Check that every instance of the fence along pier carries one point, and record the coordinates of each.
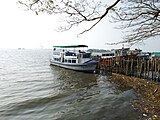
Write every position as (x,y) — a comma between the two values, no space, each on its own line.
(131,66)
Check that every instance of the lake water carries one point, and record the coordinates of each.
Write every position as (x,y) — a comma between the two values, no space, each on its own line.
(31,89)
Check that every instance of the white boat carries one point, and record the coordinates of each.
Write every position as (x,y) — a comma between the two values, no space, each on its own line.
(73,59)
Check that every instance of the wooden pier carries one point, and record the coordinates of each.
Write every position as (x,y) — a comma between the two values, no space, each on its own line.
(131,66)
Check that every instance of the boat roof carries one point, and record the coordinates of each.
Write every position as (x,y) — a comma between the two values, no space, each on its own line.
(70,46)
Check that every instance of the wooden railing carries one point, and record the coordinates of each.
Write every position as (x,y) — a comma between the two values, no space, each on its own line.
(136,67)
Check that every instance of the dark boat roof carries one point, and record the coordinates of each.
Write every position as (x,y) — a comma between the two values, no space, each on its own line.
(70,46)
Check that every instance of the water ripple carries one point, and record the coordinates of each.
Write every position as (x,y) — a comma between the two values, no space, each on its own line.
(32,89)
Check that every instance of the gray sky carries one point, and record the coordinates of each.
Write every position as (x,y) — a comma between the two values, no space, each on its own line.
(20,28)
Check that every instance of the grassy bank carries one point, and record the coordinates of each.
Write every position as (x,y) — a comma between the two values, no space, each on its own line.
(149,103)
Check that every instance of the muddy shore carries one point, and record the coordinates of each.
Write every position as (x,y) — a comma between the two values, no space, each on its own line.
(148,104)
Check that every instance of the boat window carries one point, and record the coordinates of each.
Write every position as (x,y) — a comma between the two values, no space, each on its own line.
(56,53)
(70,54)
(111,54)
(69,61)
(65,60)
(73,61)
(87,55)
(81,51)
(56,59)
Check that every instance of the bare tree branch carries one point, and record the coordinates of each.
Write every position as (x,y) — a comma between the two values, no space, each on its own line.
(140,19)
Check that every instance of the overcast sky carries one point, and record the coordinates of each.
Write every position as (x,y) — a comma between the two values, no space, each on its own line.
(25,29)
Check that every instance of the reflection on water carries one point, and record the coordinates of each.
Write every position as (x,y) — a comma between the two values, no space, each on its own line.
(32,89)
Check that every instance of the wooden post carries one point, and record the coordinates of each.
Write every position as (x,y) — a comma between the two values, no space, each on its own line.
(152,67)
(116,64)
(131,70)
(134,67)
(145,65)
(119,67)
(155,69)
(113,65)
(119,63)
(127,63)
(148,68)
(137,69)
(140,71)
(124,66)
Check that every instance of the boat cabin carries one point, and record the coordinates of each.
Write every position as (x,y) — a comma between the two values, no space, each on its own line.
(70,56)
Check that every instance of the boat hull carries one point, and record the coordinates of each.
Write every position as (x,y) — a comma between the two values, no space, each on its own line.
(83,67)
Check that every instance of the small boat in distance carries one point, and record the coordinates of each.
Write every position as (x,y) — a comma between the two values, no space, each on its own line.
(74,59)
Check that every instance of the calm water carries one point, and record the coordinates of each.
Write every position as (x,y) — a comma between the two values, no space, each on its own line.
(31,89)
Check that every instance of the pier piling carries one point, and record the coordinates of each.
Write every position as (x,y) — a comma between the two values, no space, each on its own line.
(135,67)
